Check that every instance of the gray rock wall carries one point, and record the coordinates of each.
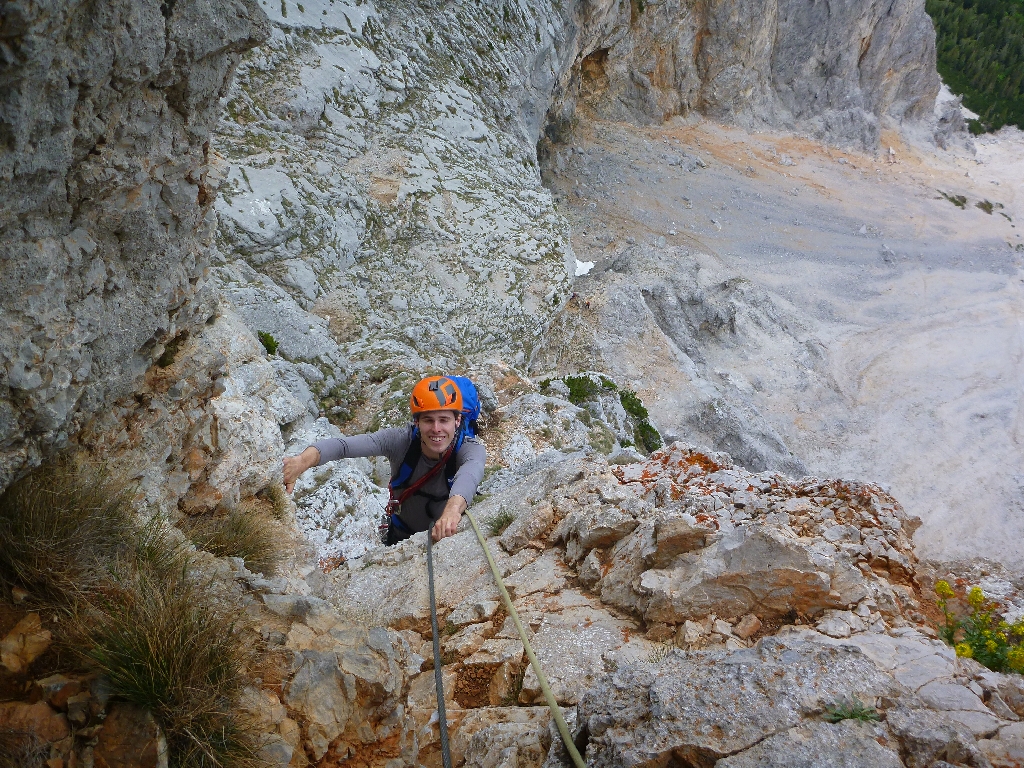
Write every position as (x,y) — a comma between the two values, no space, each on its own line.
(838,71)
(105,114)
(383,168)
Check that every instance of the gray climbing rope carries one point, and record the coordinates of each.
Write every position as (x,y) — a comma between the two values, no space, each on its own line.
(442,718)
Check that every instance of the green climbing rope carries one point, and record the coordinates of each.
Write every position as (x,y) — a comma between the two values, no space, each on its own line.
(556,712)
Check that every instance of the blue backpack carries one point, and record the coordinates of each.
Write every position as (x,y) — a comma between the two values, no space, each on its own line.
(470,407)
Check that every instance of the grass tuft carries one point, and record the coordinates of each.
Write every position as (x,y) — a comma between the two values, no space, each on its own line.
(164,645)
(243,532)
(278,499)
(19,749)
(958,200)
(499,522)
(850,710)
(69,535)
(658,654)
(60,529)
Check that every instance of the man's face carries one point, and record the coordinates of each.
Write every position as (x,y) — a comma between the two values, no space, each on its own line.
(437,430)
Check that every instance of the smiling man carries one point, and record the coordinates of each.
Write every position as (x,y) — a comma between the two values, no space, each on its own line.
(436,435)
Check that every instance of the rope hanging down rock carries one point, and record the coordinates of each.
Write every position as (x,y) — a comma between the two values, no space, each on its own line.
(442,718)
(549,697)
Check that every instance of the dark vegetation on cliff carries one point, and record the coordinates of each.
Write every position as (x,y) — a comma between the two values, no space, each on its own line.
(980,47)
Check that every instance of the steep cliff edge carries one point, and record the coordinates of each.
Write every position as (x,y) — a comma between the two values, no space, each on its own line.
(383,172)
(105,118)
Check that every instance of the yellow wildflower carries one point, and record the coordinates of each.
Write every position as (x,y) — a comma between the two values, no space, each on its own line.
(963,649)
(991,646)
(1015,659)
(942,589)
(976,598)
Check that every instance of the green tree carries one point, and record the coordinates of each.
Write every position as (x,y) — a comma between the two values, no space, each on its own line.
(980,48)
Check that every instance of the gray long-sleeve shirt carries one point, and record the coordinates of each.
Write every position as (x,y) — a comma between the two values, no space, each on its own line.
(417,511)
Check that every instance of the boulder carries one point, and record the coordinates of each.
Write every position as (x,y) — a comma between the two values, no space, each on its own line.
(847,744)
(529,524)
(571,647)
(755,569)
(130,738)
(1003,752)
(677,535)
(926,737)
(35,719)
(350,691)
(26,642)
(686,705)
(514,737)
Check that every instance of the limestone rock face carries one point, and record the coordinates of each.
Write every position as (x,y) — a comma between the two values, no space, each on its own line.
(847,744)
(104,227)
(204,429)
(836,74)
(687,706)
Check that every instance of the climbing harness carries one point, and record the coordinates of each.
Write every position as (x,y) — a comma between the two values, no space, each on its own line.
(549,697)
(391,517)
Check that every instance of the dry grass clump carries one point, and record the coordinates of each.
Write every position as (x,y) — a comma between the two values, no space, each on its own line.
(140,616)
(278,498)
(166,643)
(61,527)
(243,532)
(20,750)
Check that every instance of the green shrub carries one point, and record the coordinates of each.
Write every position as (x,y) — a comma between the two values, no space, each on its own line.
(499,522)
(852,710)
(647,436)
(632,404)
(244,532)
(269,342)
(982,636)
(608,384)
(985,205)
(581,389)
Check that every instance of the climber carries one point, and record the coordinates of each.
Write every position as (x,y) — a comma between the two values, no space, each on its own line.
(442,430)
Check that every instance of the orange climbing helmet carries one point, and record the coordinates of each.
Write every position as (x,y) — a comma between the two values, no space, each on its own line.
(435,393)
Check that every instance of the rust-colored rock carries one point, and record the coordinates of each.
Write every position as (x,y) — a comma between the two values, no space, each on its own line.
(24,644)
(130,738)
(747,627)
(37,719)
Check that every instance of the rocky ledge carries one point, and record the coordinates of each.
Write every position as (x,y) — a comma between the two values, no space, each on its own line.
(686,612)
